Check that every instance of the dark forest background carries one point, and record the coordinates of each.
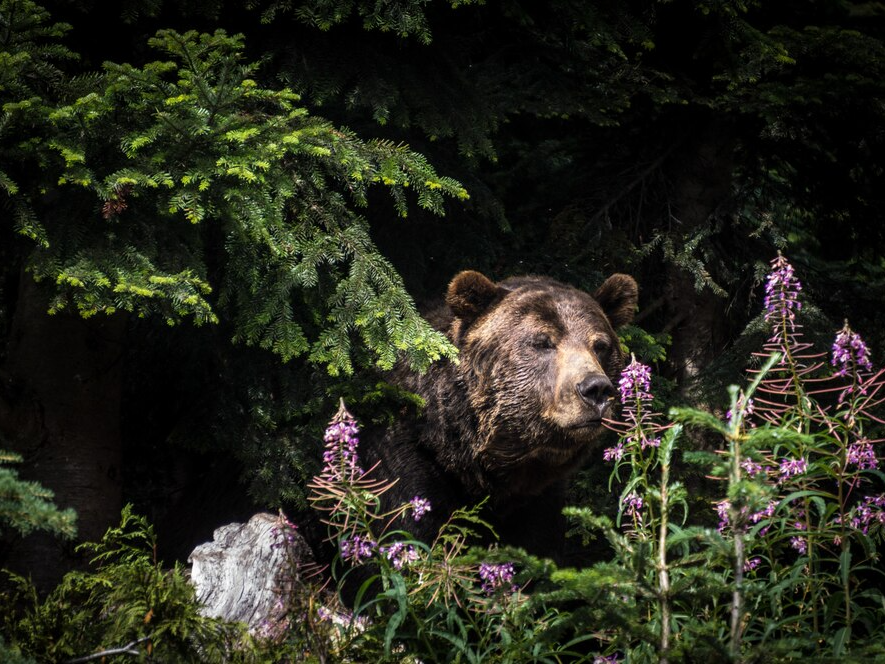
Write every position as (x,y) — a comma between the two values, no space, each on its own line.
(218,260)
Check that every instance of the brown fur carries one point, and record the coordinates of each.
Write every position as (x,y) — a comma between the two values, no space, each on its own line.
(507,421)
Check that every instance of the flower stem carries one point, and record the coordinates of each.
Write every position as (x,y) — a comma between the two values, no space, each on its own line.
(737,598)
(663,571)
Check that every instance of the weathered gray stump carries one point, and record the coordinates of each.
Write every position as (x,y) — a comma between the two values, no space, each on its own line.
(246,572)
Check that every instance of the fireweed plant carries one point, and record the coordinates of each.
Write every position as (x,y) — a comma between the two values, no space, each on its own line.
(792,568)
(812,512)
(442,601)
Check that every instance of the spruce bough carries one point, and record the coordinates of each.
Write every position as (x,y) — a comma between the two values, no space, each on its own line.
(187,190)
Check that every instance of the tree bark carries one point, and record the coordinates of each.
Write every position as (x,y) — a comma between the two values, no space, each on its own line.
(62,388)
(702,187)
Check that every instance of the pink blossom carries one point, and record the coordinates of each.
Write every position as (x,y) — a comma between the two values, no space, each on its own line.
(420,507)
(862,455)
(615,453)
(782,293)
(635,382)
(792,467)
(496,577)
(850,353)
(400,554)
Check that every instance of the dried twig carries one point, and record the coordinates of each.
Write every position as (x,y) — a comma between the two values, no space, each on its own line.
(128,649)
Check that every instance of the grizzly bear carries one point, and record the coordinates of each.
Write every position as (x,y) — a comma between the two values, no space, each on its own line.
(516,414)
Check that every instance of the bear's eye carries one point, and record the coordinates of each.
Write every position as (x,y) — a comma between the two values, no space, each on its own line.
(601,348)
(543,342)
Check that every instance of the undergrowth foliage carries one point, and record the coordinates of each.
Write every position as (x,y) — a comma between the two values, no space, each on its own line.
(126,605)
(791,570)
(437,601)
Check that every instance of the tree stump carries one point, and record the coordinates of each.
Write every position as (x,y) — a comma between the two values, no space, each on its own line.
(246,573)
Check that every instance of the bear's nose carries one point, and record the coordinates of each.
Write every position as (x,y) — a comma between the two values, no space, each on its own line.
(595,389)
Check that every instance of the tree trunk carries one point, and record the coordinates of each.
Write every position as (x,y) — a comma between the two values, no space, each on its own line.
(62,387)
(702,189)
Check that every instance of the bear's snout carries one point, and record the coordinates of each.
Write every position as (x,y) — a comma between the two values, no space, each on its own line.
(596,393)
(596,390)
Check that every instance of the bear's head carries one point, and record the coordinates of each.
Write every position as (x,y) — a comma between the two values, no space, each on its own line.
(540,362)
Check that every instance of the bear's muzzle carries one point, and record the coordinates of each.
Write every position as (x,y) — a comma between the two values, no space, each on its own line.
(597,391)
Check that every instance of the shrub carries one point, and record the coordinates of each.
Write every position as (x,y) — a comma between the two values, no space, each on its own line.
(127,603)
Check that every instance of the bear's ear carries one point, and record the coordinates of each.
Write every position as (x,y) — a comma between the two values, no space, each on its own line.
(618,297)
(471,293)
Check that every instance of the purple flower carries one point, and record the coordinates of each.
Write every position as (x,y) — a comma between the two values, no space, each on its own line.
(644,441)
(633,505)
(635,383)
(781,292)
(400,554)
(862,455)
(850,353)
(342,431)
(751,563)
(340,462)
(791,467)
(615,453)
(606,659)
(747,407)
(800,544)
(650,442)
(868,511)
(722,508)
(767,513)
(283,533)
(496,577)
(357,549)
(420,507)
(753,468)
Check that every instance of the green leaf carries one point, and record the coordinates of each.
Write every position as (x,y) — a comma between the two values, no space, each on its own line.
(399,593)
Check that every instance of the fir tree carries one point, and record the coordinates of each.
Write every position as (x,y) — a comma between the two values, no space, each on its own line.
(27,506)
(185,190)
